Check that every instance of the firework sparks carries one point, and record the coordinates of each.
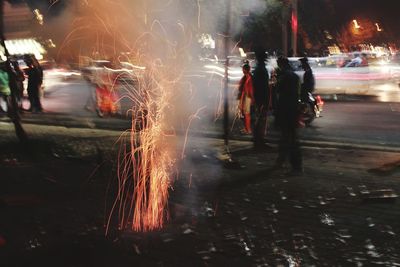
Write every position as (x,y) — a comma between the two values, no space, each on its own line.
(148,151)
(146,165)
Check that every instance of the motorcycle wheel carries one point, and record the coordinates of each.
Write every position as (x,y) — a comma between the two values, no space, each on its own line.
(309,115)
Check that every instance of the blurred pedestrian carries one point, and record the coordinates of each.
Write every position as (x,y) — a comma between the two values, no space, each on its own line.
(35,80)
(106,95)
(19,79)
(91,101)
(246,97)
(308,85)
(261,97)
(37,65)
(275,76)
(5,90)
(288,89)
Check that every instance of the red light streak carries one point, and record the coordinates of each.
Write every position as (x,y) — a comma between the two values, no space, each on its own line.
(294,23)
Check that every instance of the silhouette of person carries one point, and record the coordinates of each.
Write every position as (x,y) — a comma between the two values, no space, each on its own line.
(35,79)
(262,98)
(246,97)
(288,87)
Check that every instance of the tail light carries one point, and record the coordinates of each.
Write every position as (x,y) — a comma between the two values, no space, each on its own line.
(320,102)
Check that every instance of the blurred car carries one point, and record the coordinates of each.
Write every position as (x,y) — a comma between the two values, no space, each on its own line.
(358,59)
(94,70)
(396,58)
(104,72)
(295,63)
(337,60)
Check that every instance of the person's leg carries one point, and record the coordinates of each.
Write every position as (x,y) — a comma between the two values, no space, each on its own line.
(283,148)
(91,102)
(247,123)
(256,125)
(247,115)
(260,126)
(296,159)
(31,99)
(3,103)
(19,96)
(36,101)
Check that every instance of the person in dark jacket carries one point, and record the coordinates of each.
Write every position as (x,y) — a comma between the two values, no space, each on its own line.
(288,87)
(308,84)
(19,83)
(261,97)
(35,80)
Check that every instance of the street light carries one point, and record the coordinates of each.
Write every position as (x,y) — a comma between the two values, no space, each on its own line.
(356,25)
(378,28)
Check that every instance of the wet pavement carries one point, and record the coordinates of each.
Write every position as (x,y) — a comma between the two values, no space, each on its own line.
(54,202)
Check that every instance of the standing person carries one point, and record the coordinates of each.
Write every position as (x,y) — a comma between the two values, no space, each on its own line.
(106,94)
(275,76)
(5,91)
(288,87)
(308,85)
(91,101)
(246,97)
(36,64)
(35,79)
(19,79)
(262,98)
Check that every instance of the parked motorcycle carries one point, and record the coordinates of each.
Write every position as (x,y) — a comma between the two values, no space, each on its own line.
(310,109)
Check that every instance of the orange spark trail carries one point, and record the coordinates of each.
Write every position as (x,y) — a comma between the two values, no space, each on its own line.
(147,153)
(147,162)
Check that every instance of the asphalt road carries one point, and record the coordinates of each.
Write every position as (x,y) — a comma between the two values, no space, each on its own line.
(54,205)
(360,118)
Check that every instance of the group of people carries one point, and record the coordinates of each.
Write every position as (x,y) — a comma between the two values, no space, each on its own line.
(12,83)
(257,96)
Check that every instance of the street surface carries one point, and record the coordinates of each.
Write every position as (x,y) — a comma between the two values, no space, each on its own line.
(56,192)
(55,196)
(361,117)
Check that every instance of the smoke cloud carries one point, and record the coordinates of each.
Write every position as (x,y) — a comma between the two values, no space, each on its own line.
(160,35)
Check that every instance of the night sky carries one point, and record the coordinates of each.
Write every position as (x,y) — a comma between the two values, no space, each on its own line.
(387,12)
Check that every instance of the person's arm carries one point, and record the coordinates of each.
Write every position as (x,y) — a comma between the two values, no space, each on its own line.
(240,88)
(251,90)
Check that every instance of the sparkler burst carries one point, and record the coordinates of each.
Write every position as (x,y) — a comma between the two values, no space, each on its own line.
(147,158)
(146,167)
(157,52)
(146,164)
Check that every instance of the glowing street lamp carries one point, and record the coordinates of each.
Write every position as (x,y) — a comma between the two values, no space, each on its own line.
(39,16)
(356,25)
(378,28)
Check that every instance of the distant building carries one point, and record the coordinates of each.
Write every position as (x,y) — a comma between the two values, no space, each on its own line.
(18,20)
(19,26)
